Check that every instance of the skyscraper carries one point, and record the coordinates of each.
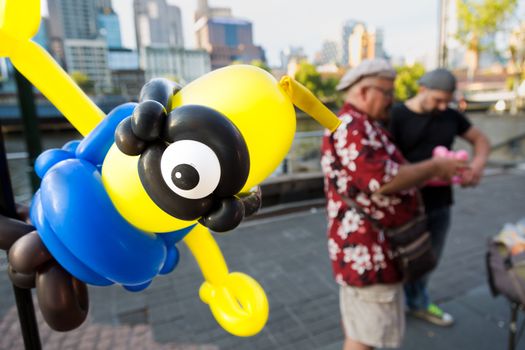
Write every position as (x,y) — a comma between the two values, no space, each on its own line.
(227,39)
(75,40)
(72,19)
(365,42)
(346,31)
(203,10)
(329,53)
(157,23)
(158,27)
(108,24)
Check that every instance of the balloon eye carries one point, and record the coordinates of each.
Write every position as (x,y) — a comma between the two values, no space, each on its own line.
(185,177)
(190,169)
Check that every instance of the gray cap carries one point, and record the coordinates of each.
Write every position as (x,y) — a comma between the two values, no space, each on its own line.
(439,79)
(377,67)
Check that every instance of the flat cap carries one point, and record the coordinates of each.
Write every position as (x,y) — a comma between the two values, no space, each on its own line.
(439,79)
(377,67)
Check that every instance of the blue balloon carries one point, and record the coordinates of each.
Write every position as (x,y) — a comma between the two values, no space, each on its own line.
(81,227)
(96,145)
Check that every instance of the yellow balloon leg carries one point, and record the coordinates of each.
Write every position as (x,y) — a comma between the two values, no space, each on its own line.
(236,300)
(19,21)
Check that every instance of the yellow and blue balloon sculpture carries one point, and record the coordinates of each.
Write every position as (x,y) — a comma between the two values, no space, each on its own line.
(112,207)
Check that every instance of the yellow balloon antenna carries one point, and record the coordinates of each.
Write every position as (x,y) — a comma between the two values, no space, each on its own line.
(19,22)
(305,100)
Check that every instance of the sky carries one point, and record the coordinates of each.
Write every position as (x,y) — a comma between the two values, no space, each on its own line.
(410,26)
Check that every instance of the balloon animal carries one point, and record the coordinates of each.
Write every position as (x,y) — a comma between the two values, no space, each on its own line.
(443,152)
(112,206)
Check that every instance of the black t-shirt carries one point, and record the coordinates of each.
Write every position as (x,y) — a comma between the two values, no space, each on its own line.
(417,135)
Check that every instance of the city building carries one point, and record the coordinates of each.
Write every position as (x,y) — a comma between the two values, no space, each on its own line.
(89,57)
(72,19)
(127,78)
(160,44)
(364,43)
(346,30)
(176,63)
(203,10)
(75,40)
(328,54)
(359,42)
(379,37)
(109,27)
(291,56)
(157,23)
(227,39)
(42,36)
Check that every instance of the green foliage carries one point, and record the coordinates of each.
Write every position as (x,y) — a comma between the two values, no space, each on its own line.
(479,18)
(406,84)
(261,64)
(83,81)
(323,88)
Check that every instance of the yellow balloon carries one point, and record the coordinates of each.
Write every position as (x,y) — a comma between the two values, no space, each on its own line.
(19,22)
(259,106)
(122,183)
(253,100)
(236,300)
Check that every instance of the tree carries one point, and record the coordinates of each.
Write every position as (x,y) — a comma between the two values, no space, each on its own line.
(406,83)
(323,88)
(83,81)
(478,19)
(517,64)
(261,64)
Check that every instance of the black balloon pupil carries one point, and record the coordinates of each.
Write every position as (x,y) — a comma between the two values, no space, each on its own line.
(185,177)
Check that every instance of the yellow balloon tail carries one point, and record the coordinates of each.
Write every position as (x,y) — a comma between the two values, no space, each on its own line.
(236,300)
(240,305)
(19,22)
(308,103)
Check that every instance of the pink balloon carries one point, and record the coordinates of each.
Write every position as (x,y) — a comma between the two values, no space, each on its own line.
(462,155)
(440,151)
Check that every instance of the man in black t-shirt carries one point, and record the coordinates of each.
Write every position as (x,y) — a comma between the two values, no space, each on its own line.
(418,126)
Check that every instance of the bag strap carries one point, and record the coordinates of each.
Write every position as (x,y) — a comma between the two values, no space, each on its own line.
(352,204)
(376,223)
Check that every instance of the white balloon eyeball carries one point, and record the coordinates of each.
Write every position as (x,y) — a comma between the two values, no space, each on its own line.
(190,169)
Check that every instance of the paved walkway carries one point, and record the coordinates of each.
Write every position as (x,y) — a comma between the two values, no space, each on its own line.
(288,256)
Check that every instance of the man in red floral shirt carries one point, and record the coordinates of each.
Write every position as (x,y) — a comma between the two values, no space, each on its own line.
(362,166)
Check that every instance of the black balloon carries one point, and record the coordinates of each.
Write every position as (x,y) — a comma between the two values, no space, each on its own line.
(148,120)
(11,230)
(226,217)
(62,298)
(21,280)
(126,141)
(28,253)
(160,90)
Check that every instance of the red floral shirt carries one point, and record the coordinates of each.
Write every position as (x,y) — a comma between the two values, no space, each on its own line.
(357,159)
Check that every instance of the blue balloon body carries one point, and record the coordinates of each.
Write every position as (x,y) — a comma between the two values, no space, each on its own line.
(81,227)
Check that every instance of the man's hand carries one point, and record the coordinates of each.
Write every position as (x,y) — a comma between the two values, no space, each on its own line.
(446,168)
(471,176)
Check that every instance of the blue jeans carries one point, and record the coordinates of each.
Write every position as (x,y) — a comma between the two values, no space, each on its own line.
(416,295)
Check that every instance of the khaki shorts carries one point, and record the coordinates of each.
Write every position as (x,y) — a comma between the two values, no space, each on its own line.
(374,315)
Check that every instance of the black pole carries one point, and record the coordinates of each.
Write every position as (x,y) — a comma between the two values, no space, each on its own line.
(26,102)
(514,307)
(23,298)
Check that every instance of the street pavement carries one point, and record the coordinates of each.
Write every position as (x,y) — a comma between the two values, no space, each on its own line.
(288,256)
